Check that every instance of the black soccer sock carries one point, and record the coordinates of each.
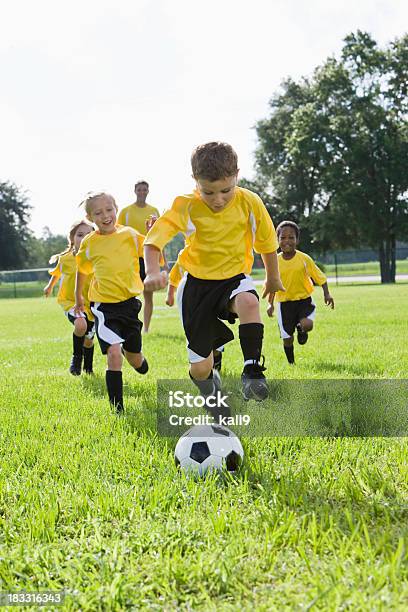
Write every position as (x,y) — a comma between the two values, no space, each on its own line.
(77,344)
(115,388)
(290,354)
(143,368)
(88,358)
(250,337)
(206,386)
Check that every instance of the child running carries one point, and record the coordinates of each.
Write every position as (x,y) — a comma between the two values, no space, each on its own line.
(65,272)
(112,254)
(295,308)
(223,223)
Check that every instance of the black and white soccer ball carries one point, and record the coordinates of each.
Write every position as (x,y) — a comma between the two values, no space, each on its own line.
(205,447)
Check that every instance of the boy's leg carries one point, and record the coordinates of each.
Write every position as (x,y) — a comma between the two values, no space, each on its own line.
(88,355)
(303,328)
(289,350)
(77,345)
(147,310)
(208,382)
(306,315)
(246,306)
(114,382)
(137,361)
(217,356)
(89,347)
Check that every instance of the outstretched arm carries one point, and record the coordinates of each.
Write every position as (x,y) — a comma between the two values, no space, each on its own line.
(79,286)
(48,288)
(327,297)
(273,282)
(155,279)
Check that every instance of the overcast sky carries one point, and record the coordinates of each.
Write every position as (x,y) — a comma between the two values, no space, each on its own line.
(98,94)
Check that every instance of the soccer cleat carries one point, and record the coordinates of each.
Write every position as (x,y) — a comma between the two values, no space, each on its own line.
(254,385)
(76,364)
(302,336)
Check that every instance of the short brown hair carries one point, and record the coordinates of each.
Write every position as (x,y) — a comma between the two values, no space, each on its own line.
(142,183)
(291,224)
(214,161)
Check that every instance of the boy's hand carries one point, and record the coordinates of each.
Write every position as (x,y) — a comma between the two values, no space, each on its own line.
(150,221)
(155,282)
(272,286)
(328,300)
(170,295)
(47,290)
(269,310)
(79,307)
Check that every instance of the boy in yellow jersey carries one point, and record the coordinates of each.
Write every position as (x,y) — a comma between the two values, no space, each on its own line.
(295,308)
(65,272)
(223,223)
(112,254)
(137,215)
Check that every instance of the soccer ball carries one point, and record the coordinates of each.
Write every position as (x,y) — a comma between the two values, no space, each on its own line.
(206,447)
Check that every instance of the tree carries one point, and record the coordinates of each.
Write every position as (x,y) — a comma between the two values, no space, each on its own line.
(14,232)
(334,151)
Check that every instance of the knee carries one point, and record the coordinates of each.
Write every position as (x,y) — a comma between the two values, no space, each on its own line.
(114,357)
(307,324)
(88,342)
(246,304)
(201,370)
(288,341)
(80,326)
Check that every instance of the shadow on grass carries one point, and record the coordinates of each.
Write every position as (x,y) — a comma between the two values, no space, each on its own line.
(94,384)
(163,336)
(340,368)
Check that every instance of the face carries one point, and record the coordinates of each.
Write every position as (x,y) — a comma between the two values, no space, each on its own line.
(103,212)
(82,230)
(287,240)
(141,192)
(217,194)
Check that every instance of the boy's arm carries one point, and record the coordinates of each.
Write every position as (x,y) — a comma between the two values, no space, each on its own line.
(171,290)
(271,307)
(155,279)
(327,297)
(273,282)
(49,286)
(79,287)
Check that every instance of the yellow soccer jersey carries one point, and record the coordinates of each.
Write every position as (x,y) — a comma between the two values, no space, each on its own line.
(296,275)
(176,274)
(220,244)
(114,260)
(135,216)
(65,270)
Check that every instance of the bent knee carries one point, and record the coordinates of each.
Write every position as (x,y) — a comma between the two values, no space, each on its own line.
(80,326)
(201,369)
(307,324)
(246,303)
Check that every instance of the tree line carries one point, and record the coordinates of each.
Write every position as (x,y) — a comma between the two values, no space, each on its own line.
(332,156)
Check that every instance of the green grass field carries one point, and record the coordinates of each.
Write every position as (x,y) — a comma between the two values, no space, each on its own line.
(93,504)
